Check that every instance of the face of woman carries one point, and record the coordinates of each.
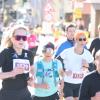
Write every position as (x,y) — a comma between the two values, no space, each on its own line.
(81,41)
(19,38)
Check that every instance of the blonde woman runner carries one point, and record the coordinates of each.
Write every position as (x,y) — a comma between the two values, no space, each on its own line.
(16,63)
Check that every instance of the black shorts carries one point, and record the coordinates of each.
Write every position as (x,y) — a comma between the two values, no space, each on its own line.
(52,97)
(71,90)
(22,94)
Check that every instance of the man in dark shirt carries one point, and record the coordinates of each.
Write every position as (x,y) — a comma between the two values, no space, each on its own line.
(90,87)
(95,45)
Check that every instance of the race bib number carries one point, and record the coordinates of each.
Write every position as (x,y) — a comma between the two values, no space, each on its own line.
(22,63)
(78,75)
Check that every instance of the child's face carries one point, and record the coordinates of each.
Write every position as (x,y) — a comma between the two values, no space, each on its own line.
(48,52)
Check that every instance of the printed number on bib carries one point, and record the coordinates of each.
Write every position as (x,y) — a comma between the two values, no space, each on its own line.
(23,63)
(78,75)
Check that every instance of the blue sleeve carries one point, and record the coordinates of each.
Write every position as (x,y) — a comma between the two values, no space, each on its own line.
(62,47)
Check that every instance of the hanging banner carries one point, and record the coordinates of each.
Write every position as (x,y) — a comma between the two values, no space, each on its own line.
(77,13)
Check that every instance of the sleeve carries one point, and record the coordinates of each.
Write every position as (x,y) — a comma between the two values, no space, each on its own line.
(60,59)
(63,54)
(90,61)
(84,90)
(90,58)
(59,50)
(31,57)
(92,46)
(3,55)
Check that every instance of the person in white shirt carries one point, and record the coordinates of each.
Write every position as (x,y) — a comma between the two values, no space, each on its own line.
(76,64)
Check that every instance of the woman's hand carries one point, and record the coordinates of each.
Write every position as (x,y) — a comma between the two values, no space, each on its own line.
(18,70)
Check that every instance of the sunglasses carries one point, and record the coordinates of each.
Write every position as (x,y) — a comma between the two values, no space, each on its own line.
(82,39)
(19,37)
(48,50)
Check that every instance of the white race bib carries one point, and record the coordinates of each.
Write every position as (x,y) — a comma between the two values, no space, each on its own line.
(22,62)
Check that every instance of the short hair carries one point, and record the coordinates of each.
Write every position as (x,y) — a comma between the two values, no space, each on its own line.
(68,26)
(48,45)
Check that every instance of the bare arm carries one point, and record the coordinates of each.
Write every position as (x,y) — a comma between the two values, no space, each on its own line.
(13,73)
(61,85)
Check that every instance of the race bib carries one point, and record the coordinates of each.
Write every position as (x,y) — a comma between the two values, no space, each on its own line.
(78,75)
(22,63)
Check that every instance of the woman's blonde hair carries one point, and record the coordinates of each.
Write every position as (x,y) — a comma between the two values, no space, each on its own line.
(8,34)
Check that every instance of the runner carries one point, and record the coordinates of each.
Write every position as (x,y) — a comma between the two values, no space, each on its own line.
(48,73)
(90,88)
(76,64)
(16,63)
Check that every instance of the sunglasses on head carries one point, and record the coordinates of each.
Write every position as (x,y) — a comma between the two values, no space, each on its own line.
(19,37)
(82,39)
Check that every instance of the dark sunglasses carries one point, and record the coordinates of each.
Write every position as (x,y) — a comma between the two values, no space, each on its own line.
(19,37)
(82,39)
